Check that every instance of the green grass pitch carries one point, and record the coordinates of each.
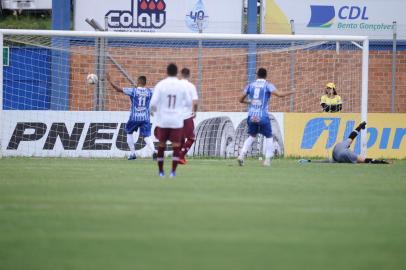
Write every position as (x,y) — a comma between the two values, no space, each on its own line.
(116,214)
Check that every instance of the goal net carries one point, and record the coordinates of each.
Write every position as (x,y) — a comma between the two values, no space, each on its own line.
(49,108)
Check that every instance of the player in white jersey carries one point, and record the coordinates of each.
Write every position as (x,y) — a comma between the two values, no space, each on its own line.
(140,97)
(190,113)
(168,106)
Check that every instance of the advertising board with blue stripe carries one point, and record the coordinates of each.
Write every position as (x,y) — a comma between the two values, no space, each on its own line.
(339,17)
(314,135)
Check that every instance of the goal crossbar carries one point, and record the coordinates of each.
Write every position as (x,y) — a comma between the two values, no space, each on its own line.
(184,36)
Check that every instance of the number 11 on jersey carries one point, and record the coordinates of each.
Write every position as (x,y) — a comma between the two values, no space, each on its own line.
(171,101)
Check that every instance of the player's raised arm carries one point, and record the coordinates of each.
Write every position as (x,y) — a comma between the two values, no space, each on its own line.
(114,85)
(282,94)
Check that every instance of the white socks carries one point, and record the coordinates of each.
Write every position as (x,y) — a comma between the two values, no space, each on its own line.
(130,142)
(269,148)
(148,141)
(150,144)
(247,145)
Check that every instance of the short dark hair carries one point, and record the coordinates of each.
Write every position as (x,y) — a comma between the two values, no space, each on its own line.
(172,69)
(185,72)
(142,80)
(262,73)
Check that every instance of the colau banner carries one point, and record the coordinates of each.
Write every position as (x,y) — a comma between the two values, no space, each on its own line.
(179,16)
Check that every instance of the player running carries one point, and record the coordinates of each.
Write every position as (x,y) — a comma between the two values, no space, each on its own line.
(188,125)
(140,97)
(257,95)
(168,105)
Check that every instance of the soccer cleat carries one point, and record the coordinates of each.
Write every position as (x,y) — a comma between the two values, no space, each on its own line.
(182,161)
(132,157)
(240,161)
(154,156)
(161,174)
(301,161)
(172,175)
(379,161)
(362,125)
(267,162)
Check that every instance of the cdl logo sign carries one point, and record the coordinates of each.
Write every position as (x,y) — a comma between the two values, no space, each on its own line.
(324,15)
(143,14)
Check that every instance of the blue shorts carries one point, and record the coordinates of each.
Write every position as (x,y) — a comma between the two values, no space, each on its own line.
(263,127)
(145,128)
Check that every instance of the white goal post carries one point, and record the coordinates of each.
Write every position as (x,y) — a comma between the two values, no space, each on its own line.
(114,54)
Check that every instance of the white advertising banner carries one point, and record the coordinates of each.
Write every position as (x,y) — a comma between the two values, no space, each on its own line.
(101,134)
(339,17)
(179,16)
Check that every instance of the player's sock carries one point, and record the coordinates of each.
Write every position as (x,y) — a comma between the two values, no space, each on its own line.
(150,144)
(185,148)
(269,151)
(355,132)
(175,158)
(160,158)
(182,148)
(130,142)
(247,145)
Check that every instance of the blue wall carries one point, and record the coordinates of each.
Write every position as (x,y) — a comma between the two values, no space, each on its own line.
(27,80)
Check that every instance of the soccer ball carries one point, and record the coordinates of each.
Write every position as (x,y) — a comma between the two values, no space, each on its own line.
(92,79)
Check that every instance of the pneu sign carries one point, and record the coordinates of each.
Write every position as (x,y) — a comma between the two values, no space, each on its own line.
(97,136)
(143,15)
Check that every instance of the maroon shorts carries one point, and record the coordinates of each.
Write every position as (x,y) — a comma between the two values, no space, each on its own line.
(189,128)
(168,134)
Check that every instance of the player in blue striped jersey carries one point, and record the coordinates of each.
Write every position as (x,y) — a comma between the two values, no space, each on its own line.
(257,95)
(140,97)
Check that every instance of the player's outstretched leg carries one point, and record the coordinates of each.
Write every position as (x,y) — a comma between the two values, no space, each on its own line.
(160,158)
(247,145)
(130,142)
(184,149)
(354,133)
(269,151)
(151,146)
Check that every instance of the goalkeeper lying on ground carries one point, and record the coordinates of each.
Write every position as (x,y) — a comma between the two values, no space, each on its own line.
(343,154)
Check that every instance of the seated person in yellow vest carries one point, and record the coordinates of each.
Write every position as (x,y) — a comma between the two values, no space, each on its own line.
(331,102)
